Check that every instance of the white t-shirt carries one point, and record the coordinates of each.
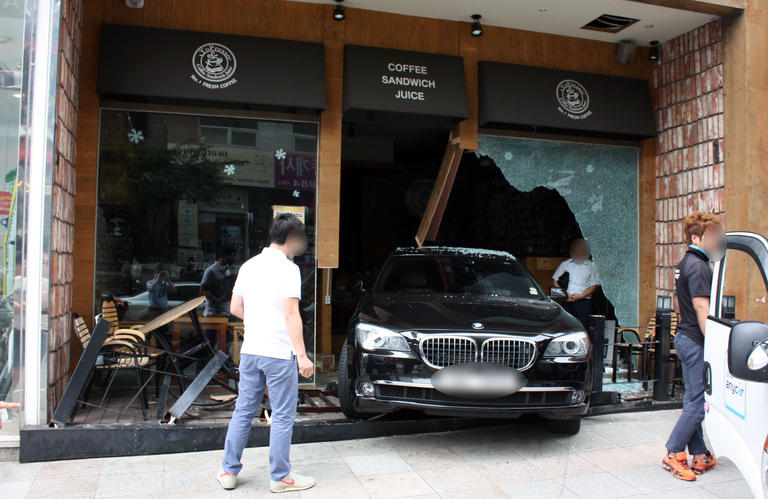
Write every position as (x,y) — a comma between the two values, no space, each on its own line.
(264,282)
(581,275)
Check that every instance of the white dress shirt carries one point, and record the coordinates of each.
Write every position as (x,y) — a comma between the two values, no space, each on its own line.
(581,275)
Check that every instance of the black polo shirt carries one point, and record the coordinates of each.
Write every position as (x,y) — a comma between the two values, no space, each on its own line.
(693,278)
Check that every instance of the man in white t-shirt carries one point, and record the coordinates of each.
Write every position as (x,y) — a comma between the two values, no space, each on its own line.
(583,281)
(266,296)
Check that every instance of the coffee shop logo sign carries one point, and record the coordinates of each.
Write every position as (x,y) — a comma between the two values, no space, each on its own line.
(573,99)
(214,66)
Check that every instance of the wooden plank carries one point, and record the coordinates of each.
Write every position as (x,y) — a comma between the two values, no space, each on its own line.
(647,230)
(329,165)
(324,329)
(721,8)
(433,214)
(468,48)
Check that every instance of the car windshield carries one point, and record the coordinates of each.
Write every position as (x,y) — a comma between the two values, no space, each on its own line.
(457,274)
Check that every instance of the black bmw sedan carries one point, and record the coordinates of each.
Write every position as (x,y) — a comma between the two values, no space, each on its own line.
(458,331)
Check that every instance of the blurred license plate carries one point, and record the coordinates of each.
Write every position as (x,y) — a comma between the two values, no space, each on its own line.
(477,380)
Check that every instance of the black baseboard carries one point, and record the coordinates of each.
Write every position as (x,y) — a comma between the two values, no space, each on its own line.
(43,443)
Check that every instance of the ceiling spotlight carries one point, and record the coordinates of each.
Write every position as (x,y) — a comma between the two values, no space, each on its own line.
(477,30)
(338,12)
(653,55)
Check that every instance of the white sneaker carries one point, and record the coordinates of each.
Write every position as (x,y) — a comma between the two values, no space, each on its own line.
(226,480)
(291,481)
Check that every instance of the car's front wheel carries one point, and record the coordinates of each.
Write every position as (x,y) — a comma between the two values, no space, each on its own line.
(347,397)
(565,426)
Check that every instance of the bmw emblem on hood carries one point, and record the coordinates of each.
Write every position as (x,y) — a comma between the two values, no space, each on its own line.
(477,325)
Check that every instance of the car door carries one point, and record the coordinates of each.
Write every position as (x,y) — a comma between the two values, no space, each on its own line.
(736,418)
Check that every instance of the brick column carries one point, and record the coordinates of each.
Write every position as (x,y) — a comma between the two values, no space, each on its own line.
(690,153)
(63,201)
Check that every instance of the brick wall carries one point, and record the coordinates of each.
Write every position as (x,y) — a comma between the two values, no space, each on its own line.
(63,201)
(690,152)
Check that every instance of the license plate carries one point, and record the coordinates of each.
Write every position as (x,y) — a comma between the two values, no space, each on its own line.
(477,380)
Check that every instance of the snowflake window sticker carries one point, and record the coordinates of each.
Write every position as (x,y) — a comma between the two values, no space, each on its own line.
(296,194)
(135,136)
(280,154)
(507,156)
(229,170)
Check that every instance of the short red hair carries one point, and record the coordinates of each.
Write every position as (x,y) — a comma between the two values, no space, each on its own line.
(697,223)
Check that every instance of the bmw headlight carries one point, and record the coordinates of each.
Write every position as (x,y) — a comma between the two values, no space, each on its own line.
(371,337)
(569,345)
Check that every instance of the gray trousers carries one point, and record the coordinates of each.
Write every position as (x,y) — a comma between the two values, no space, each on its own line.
(282,378)
(687,431)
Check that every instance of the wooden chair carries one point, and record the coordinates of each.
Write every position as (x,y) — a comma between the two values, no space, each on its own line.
(109,312)
(119,351)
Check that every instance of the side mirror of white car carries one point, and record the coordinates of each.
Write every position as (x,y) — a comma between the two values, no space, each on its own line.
(758,359)
(748,351)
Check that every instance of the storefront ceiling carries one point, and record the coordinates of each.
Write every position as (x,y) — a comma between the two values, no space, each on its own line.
(559,17)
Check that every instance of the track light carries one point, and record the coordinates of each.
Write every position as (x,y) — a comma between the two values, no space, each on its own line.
(653,55)
(338,12)
(477,29)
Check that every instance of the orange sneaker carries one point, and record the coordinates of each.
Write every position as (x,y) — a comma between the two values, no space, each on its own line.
(700,466)
(678,465)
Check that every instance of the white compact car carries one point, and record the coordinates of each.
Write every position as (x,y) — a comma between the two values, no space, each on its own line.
(736,356)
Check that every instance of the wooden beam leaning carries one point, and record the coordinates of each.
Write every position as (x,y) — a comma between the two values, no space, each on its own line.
(722,8)
(433,214)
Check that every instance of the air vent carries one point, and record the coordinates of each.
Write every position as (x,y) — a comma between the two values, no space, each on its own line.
(609,23)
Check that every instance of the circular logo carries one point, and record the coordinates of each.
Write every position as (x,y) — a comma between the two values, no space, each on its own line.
(572,96)
(214,62)
(477,325)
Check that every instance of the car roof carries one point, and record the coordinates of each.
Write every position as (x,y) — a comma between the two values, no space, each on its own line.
(452,250)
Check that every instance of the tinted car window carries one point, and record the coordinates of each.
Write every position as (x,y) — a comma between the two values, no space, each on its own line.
(457,274)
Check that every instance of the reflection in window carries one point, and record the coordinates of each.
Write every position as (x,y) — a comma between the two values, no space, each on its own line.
(179,194)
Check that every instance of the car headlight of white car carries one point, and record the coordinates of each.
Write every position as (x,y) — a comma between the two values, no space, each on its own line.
(571,345)
(372,338)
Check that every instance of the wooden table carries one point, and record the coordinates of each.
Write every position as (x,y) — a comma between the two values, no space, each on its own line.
(171,315)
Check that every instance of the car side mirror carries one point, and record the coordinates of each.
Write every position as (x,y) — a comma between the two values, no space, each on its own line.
(748,351)
(557,294)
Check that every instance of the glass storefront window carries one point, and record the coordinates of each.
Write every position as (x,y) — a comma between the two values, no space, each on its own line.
(11,55)
(178,193)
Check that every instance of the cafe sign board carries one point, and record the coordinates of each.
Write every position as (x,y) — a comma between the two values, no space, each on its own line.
(164,65)
(380,80)
(551,100)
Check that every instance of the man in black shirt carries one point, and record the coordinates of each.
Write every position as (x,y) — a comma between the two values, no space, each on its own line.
(693,280)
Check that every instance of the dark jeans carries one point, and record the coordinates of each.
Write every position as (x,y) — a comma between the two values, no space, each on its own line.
(687,431)
(581,309)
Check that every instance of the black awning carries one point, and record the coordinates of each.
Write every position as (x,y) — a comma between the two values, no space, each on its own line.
(210,68)
(385,85)
(525,97)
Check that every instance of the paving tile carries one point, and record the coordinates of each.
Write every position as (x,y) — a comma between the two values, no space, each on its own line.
(512,472)
(696,492)
(71,468)
(362,446)
(476,493)
(201,480)
(64,487)
(726,471)
(14,471)
(430,458)
(652,479)
(450,478)
(395,485)
(736,489)
(549,489)
(621,458)
(13,489)
(376,464)
(584,441)
(135,464)
(346,488)
(602,485)
(311,452)
(127,484)
(564,465)
(325,469)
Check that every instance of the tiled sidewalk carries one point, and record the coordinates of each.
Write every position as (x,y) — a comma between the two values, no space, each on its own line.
(613,456)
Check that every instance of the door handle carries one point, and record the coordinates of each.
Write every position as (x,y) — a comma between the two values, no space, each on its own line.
(707,378)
